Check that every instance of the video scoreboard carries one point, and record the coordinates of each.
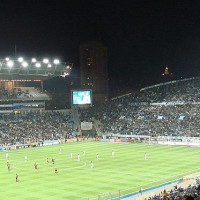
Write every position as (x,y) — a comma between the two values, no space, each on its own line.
(82,97)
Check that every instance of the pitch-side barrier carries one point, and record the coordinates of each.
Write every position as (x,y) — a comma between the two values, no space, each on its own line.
(142,190)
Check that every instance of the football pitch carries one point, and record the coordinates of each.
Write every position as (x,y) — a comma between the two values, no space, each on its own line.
(126,171)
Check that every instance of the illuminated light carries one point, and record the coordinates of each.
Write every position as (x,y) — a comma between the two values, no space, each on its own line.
(33,60)
(38,65)
(45,60)
(49,65)
(56,61)
(24,64)
(68,66)
(20,80)
(10,63)
(66,73)
(20,59)
(7,59)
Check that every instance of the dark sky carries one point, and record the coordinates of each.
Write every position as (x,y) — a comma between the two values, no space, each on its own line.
(142,37)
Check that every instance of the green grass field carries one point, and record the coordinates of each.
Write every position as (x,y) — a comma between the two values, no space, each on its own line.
(127,170)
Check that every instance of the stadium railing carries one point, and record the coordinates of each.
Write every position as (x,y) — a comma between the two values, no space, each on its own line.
(137,192)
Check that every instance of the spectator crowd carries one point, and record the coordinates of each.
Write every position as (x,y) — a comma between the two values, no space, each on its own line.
(35,127)
(166,109)
(189,193)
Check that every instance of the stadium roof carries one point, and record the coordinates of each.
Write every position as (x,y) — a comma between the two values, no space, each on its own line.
(21,68)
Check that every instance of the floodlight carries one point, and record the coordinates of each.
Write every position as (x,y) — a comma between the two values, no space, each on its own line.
(68,66)
(38,65)
(33,60)
(7,59)
(49,65)
(56,61)
(20,59)
(24,64)
(10,63)
(45,60)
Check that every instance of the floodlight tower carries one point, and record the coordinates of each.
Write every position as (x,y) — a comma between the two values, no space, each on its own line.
(21,68)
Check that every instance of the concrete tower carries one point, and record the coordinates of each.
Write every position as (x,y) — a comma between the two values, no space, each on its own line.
(93,69)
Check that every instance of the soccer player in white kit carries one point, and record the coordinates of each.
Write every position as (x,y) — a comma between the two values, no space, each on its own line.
(79,158)
(25,158)
(97,156)
(91,165)
(113,153)
(84,152)
(60,151)
(7,156)
(145,156)
(71,155)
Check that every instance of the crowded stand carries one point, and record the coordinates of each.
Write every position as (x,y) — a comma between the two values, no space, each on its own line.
(165,109)
(189,193)
(186,90)
(35,127)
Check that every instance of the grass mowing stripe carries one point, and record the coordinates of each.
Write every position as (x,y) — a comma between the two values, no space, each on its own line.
(75,180)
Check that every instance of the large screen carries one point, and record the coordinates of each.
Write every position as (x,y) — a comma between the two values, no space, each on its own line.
(81,97)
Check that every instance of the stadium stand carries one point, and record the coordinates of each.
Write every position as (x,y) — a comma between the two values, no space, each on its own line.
(165,109)
(189,193)
(186,90)
(35,127)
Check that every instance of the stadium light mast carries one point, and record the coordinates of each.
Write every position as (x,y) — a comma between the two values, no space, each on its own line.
(41,68)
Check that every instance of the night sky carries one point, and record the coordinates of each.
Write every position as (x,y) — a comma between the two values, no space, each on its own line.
(142,37)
